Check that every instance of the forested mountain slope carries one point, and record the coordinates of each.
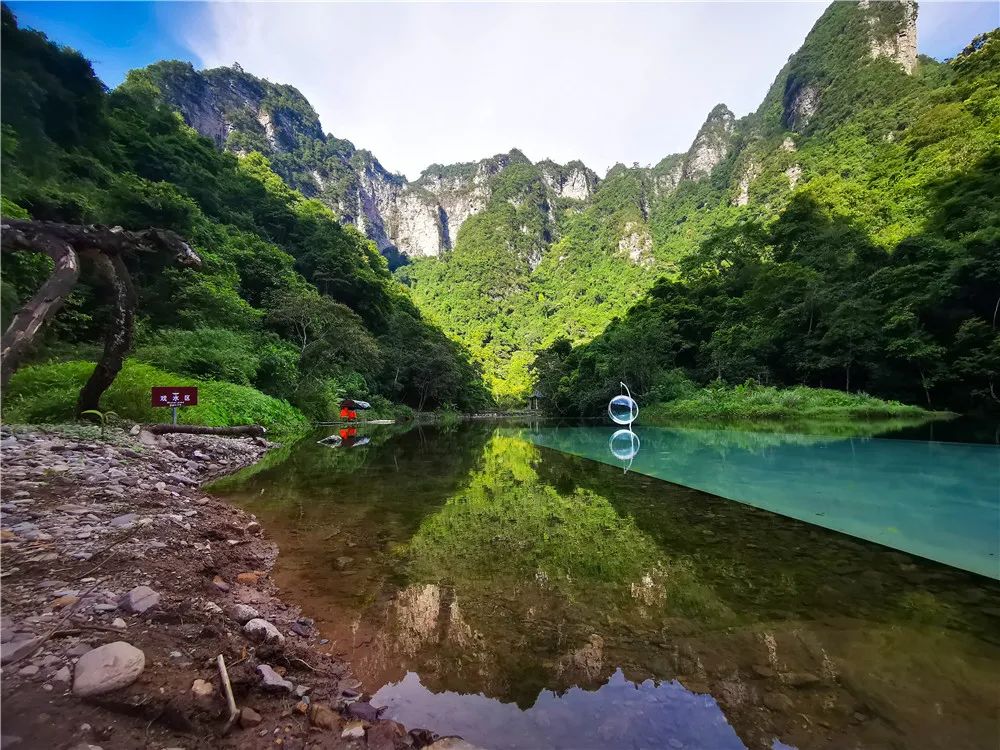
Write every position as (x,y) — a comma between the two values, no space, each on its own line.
(287,301)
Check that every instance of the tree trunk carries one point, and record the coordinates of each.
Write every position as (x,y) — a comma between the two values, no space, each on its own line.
(247,430)
(847,378)
(927,391)
(118,338)
(21,332)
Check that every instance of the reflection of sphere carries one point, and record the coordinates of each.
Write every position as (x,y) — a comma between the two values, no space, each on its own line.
(623,410)
(624,444)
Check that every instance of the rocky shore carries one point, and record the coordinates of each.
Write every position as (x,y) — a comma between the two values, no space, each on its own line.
(122,582)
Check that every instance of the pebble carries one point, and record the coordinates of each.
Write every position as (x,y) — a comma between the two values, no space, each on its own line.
(29,671)
(243,613)
(139,599)
(324,717)
(63,675)
(261,631)
(249,717)
(272,681)
(106,668)
(126,520)
(353,730)
(220,584)
(119,623)
(203,693)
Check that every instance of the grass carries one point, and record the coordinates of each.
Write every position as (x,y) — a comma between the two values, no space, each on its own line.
(757,402)
(47,393)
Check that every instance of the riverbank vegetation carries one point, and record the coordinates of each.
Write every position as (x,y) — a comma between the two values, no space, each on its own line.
(751,401)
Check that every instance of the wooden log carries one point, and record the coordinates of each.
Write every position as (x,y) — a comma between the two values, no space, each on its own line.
(245,430)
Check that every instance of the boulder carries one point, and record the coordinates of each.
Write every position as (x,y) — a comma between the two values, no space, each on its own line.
(106,668)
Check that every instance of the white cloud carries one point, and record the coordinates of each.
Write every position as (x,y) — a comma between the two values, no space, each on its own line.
(424,83)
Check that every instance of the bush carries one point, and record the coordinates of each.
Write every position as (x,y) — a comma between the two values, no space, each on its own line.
(47,394)
(208,353)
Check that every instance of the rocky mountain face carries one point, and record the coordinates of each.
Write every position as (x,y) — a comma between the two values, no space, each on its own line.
(536,239)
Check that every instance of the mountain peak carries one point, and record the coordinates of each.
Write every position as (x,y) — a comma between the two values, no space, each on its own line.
(711,144)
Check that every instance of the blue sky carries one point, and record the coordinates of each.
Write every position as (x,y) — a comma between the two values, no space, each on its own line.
(423,83)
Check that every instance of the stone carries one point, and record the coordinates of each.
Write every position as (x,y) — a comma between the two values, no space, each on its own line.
(220,584)
(248,579)
(302,707)
(243,613)
(272,681)
(139,599)
(385,734)
(261,631)
(353,730)
(29,671)
(364,711)
(203,693)
(118,623)
(302,690)
(249,718)
(63,675)
(106,668)
(324,717)
(64,601)
(13,650)
(122,521)
(300,629)
(777,701)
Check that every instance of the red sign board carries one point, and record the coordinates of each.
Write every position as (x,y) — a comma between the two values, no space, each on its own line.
(182,395)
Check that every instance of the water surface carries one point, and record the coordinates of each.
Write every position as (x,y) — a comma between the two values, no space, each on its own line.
(522,597)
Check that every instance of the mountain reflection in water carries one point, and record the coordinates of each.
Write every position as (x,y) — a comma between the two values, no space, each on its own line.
(619,713)
(519,582)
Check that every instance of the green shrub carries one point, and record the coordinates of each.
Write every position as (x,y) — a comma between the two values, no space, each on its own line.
(47,394)
(207,353)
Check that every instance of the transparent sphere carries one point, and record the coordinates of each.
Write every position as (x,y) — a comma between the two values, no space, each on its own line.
(624,445)
(623,410)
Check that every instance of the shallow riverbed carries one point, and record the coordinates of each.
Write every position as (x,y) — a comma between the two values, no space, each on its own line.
(486,585)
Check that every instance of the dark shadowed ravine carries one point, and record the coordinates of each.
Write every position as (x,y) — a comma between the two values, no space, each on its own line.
(487,586)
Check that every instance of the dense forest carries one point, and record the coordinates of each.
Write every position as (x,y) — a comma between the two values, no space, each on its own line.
(287,302)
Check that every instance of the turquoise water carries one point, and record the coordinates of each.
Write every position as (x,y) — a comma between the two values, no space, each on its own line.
(937,500)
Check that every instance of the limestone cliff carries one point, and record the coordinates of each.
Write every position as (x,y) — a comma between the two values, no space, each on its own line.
(711,145)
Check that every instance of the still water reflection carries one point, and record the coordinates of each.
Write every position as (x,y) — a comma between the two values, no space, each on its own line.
(524,598)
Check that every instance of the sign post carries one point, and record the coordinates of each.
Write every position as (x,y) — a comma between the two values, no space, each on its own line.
(174,397)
